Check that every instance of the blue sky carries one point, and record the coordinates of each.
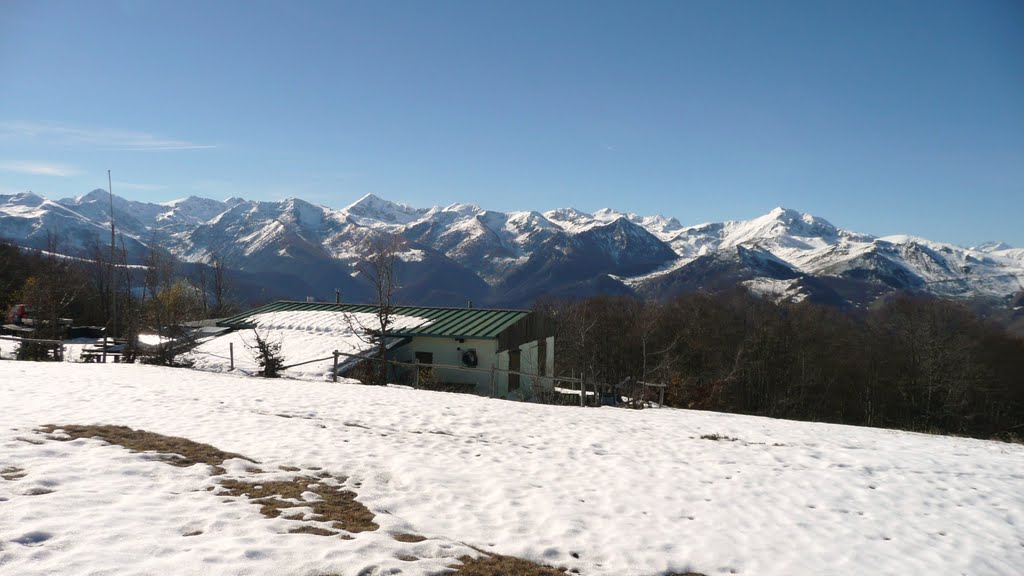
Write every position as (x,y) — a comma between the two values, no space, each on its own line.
(883,117)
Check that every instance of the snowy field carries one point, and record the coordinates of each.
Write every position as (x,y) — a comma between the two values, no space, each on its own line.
(605,491)
(303,334)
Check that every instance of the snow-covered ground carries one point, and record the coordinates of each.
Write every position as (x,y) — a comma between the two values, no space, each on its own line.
(606,491)
(303,334)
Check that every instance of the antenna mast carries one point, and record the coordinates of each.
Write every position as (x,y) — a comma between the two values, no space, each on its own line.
(113,276)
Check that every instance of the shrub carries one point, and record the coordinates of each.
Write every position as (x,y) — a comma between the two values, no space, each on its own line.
(267,354)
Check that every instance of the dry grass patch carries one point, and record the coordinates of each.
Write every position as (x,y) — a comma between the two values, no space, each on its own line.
(716,437)
(498,565)
(411,538)
(312,530)
(182,451)
(335,505)
(12,473)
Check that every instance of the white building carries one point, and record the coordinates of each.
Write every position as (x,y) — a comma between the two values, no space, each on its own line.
(502,353)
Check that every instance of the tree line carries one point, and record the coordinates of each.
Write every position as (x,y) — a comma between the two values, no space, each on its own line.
(910,362)
(157,296)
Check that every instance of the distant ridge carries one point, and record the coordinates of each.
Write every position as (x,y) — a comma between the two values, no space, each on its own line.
(462,251)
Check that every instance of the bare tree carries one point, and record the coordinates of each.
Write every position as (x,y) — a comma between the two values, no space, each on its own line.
(171,301)
(266,351)
(220,285)
(99,277)
(378,268)
(52,288)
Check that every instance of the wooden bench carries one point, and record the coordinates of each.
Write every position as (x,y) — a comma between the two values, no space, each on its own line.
(94,355)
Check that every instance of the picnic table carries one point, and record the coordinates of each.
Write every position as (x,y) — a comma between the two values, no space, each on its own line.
(99,352)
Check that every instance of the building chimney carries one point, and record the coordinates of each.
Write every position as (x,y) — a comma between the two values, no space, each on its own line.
(469,303)
(310,299)
(337,296)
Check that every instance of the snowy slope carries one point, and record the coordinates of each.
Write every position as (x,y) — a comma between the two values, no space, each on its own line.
(303,335)
(814,247)
(373,211)
(603,491)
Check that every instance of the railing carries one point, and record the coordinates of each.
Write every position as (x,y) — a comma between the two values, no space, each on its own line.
(56,345)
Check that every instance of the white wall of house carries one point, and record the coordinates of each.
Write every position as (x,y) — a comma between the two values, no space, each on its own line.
(530,362)
(449,351)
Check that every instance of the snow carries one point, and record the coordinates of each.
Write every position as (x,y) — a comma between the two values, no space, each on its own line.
(373,211)
(628,492)
(494,244)
(303,335)
(412,255)
(775,289)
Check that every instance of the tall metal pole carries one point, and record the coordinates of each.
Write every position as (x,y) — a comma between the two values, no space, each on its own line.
(113,276)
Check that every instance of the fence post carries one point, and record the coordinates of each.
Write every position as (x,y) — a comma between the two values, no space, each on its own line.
(661,397)
(583,391)
(231,354)
(416,375)
(494,383)
(334,373)
(104,347)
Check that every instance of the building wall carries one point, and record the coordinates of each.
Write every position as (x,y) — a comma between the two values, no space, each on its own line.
(449,351)
(529,363)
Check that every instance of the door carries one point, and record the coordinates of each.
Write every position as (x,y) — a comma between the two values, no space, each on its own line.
(425,372)
(513,366)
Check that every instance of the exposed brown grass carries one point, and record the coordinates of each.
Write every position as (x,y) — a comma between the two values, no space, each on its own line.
(498,565)
(312,530)
(335,505)
(12,473)
(715,437)
(181,451)
(409,538)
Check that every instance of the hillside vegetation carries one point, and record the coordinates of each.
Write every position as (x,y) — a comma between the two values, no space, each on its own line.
(912,363)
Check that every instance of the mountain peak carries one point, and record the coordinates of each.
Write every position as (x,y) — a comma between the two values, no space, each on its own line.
(372,209)
(992,246)
(797,219)
(95,196)
(22,199)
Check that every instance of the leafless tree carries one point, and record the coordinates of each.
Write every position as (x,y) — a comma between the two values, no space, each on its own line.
(378,268)
(52,288)
(266,351)
(220,284)
(170,302)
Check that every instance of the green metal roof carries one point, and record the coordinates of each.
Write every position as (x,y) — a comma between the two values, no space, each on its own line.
(447,322)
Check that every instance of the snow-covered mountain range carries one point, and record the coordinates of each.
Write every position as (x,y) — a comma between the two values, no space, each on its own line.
(459,252)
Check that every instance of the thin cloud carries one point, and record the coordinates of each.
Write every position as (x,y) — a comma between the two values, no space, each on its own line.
(190,147)
(138,186)
(38,168)
(101,137)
